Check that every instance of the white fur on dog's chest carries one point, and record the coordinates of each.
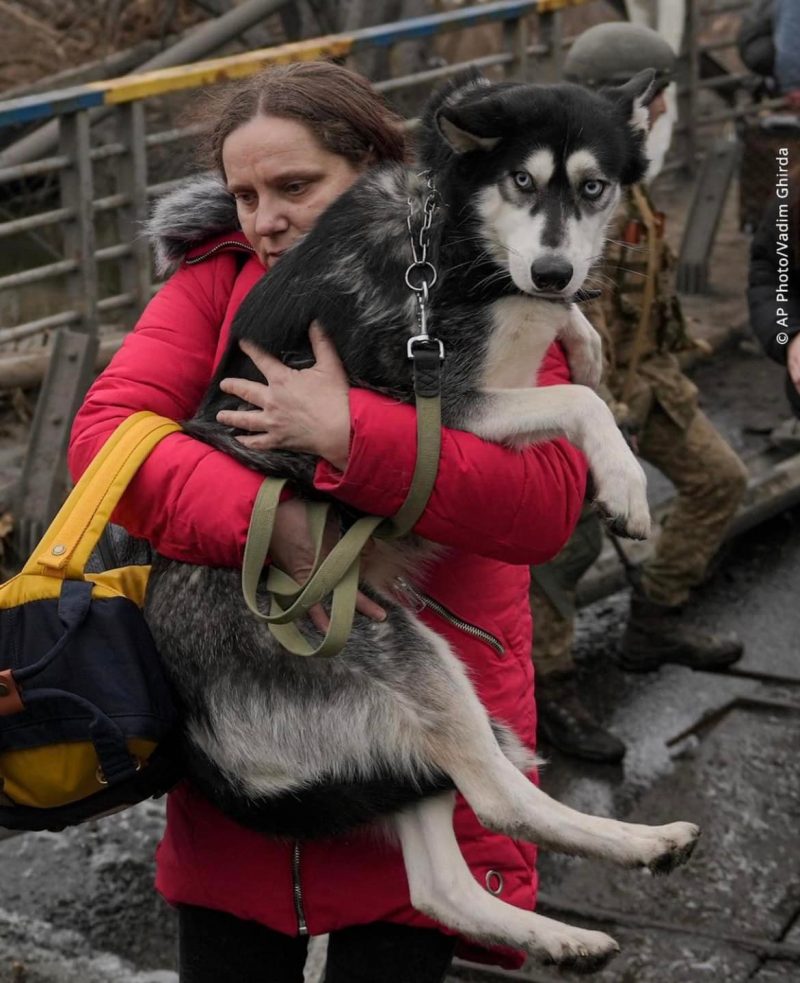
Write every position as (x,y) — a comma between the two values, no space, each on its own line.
(523,328)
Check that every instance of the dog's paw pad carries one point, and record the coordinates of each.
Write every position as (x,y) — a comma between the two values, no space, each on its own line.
(623,526)
(681,842)
(583,953)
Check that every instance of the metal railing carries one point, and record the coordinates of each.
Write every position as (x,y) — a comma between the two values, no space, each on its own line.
(108,285)
(90,275)
(90,272)
(77,273)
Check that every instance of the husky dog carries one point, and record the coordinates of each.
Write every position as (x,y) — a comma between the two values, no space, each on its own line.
(528,177)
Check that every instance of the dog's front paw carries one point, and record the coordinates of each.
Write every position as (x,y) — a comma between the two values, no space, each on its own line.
(621,499)
(675,844)
(577,949)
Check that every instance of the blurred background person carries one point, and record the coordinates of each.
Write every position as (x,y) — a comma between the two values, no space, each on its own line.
(756,38)
(787,50)
(653,399)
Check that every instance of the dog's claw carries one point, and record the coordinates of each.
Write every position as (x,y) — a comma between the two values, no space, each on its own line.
(621,498)
(679,845)
(582,952)
(673,858)
(621,525)
(591,963)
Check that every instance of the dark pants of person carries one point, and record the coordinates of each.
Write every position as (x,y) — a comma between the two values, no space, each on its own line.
(215,947)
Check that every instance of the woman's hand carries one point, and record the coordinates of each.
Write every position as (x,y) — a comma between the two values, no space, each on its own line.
(292,551)
(793,361)
(306,410)
(298,410)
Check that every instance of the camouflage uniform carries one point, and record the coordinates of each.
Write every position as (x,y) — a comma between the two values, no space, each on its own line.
(649,393)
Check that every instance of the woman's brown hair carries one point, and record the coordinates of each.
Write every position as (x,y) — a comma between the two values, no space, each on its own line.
(340,108)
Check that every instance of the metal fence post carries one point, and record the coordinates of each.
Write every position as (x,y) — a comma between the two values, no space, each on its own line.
(132,181)
(515,40)
(689,80)
(77,192)
(43,481)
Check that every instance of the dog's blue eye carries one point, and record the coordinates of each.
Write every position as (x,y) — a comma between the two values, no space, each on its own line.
(523,180)
(593,189)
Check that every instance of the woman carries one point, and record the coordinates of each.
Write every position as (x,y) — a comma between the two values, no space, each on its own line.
(287,143)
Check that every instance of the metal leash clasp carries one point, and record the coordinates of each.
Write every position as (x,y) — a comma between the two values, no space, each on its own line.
(421,275)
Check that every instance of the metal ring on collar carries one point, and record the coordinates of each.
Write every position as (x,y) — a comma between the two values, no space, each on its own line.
(424,281)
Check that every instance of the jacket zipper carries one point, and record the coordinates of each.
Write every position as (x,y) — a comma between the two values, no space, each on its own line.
(215,249)
(302,924)
(447,615)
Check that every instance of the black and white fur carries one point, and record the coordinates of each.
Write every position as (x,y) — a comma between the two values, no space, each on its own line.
(311,747)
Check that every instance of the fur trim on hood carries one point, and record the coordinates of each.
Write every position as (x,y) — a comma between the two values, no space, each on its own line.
(184,218)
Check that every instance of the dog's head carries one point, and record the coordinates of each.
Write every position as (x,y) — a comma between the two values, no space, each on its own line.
(540,168)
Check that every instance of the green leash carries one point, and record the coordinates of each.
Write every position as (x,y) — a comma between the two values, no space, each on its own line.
(338,574)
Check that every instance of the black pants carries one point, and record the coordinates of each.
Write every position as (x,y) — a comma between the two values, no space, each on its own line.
(214,947)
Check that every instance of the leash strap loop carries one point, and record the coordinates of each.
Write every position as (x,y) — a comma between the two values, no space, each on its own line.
(337,575)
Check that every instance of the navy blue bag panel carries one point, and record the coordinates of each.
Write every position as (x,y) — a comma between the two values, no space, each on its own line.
(75,658)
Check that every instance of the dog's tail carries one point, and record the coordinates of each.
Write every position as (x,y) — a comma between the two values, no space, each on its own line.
(520,756)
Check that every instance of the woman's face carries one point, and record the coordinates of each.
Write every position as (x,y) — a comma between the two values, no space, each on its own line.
(282,179)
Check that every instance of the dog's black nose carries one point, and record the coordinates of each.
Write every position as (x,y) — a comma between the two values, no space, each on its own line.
(551,273)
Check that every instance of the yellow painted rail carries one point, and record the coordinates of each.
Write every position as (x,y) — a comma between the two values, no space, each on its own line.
(134,87)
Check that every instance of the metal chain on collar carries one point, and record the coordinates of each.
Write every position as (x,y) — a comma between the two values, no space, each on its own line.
(421,275)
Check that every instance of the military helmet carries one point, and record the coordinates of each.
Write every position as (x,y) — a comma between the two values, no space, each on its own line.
(611,53)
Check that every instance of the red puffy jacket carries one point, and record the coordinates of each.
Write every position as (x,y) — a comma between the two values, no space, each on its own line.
(497,509)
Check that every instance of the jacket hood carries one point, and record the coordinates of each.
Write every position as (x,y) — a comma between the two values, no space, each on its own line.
(185,218)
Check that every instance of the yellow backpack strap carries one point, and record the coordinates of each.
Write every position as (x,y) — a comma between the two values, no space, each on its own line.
(66,546)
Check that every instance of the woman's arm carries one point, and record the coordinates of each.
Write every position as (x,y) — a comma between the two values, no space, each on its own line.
(191,502)
(516,506)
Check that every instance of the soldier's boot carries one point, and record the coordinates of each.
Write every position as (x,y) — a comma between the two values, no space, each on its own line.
(659,633)
(566,723)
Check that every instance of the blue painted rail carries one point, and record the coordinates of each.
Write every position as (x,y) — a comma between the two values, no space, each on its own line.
(133,87)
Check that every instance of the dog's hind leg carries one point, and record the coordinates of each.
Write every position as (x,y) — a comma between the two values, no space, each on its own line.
(463,745)
(442,886)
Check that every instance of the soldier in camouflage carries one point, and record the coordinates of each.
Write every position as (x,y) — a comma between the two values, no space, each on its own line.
(640,319)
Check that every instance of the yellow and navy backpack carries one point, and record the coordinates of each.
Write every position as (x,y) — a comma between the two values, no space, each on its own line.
(87,720)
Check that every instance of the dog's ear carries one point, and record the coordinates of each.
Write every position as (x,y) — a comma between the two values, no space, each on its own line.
(466,128)
(634,97)
(632,100)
